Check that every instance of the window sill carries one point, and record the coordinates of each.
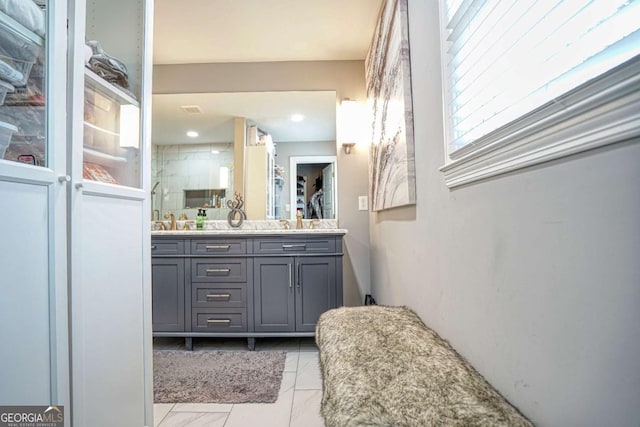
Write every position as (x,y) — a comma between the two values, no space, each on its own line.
(603,111)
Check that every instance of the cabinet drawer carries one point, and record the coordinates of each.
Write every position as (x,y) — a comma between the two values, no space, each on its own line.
(294,246)
(223,295)
(219,270)
(218,246)
(219,320)
(167,247)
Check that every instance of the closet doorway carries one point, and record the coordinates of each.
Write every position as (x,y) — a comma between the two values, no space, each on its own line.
(313,183)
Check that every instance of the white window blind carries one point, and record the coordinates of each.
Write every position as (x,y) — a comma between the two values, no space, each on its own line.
(507,58)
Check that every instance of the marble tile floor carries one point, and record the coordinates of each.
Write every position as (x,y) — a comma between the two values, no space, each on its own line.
(298,403)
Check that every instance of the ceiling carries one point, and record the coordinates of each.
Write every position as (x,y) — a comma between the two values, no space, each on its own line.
(203,31)
(213,31)
(270,111)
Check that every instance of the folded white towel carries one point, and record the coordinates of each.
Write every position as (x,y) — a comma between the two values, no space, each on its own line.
(10,74)
(27,13)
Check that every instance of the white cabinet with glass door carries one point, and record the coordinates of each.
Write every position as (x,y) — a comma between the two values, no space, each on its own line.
(33,200)
(75,243)
(110,213)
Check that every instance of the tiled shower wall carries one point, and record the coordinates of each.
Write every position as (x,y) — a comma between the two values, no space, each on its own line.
(189,167)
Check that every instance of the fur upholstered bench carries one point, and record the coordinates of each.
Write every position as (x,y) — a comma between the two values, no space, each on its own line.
(381,366)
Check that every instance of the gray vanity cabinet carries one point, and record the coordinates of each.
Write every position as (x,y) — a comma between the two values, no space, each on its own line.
(290,293)
(167,282)
(295,281)
(251,286)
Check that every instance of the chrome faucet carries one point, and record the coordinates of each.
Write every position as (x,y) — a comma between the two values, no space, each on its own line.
(172,220)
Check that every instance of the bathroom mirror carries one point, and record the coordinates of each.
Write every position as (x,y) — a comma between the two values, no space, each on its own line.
(196,139)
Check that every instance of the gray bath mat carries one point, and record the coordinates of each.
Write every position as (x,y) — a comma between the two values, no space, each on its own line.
(217,376)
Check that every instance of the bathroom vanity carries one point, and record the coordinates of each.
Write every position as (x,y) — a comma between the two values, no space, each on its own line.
(244,283)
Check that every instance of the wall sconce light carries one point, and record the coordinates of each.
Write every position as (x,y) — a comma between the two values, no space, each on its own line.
(351,124)
(347,146)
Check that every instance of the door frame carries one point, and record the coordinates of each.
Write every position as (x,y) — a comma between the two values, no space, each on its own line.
(294,161)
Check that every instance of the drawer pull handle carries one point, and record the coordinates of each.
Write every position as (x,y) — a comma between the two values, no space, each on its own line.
(294,246)
(218,270)
(153,246)
(225,321)
(227,296)
(225,247)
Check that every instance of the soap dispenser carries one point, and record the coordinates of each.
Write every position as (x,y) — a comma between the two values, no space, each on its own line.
(200,219)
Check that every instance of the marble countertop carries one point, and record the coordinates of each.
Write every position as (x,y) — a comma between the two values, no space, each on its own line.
(252,228)
(241,231)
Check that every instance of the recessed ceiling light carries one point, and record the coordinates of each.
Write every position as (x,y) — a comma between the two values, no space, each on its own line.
(192,134)
(297,117)
(215,152)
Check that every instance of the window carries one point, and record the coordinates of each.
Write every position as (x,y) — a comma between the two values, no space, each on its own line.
(536,76)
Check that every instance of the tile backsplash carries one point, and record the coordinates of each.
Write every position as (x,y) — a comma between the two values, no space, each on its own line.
(190,167)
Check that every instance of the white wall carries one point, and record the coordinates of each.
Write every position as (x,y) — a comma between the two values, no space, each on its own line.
(346,78)
(532,276)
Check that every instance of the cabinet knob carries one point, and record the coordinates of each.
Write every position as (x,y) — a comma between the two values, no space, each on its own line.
(64,178)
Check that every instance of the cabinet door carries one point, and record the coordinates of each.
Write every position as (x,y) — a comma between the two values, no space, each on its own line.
(111,306)
(315,290)
(34,323)
(167,281)
(274,294)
